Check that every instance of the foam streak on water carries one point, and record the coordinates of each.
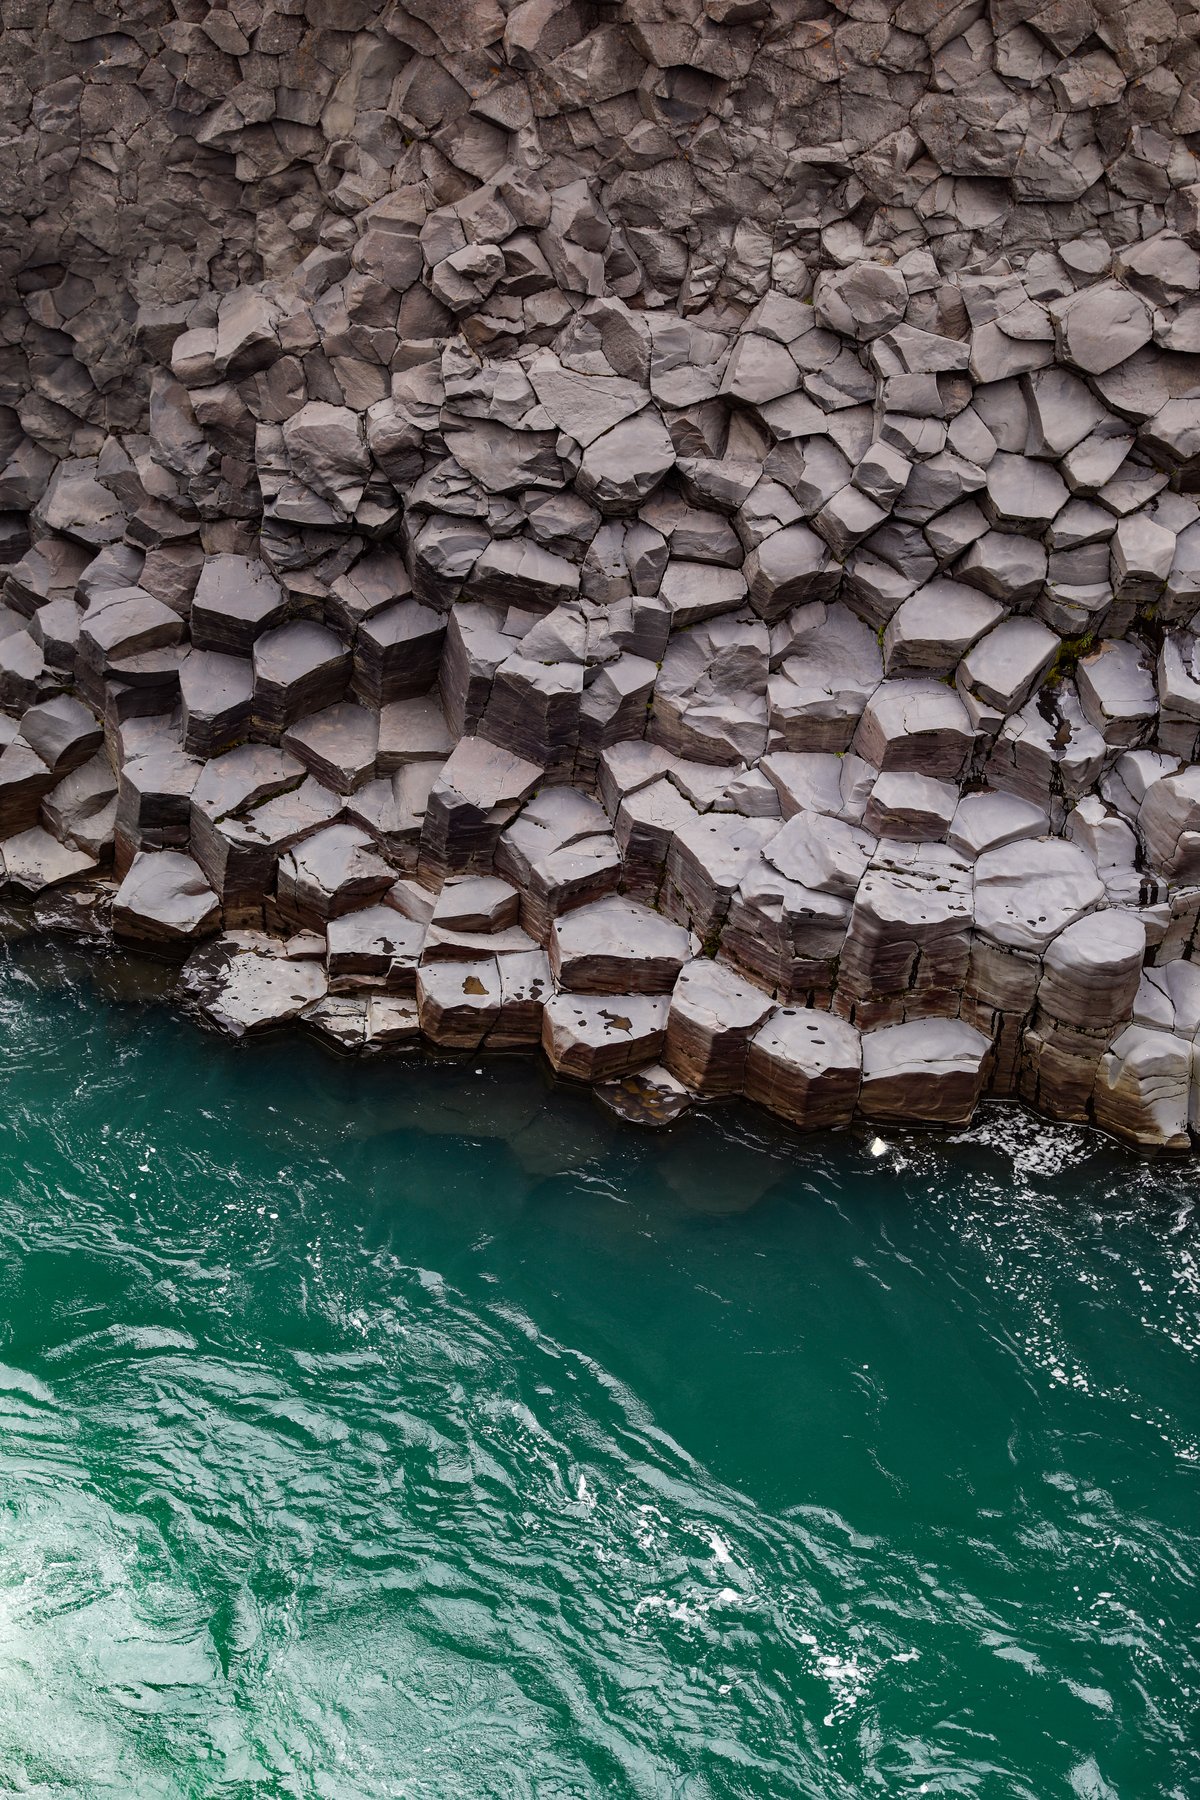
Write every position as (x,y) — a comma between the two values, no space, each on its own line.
(405,1431)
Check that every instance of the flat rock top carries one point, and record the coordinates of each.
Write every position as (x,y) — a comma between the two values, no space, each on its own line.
(415,731)
(487,775)
(290,652)
(165,888)
(712,994)
(375,928)
(478,903)
(607,1018)
(810,1042)
(923,1046)
(1027,892)
(337,854)
(237,587)
(342,734)
(616,927)
(244,776)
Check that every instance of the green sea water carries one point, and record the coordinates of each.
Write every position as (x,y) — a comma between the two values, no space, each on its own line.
(416,1430)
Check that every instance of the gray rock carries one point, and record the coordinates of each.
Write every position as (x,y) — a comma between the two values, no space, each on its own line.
(710,698)
(32,861)
(236,599)
(1116,691)
(915,725)
(566,877)
(935,627)
(516,572)
(830,672)
(821,852)
(245,984)
(476,794)
(708,857)
(911,808)
(325,447)
(338,745)
(81,809)
(863,301)
(787,569)
(1168,823)
(398,652)
(988,821)
(374,944)
(1022,494)
(215,691)
(1003,668)
(1027,891)
(476,903)
(624,465)
(299,668)
(63,732)
(1101,327)
(1092,970)
(164,901)
(24,782)
(332,872)
(1007,565)
(412,730)
(696,591)
(908,944)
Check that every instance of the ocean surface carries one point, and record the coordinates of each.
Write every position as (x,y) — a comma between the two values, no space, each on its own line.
(418,1430)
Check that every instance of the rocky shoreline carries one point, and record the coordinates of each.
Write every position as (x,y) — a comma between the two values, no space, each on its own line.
(660,533)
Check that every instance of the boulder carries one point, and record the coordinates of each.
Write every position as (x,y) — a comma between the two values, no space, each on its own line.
(165,902)
(1145,1087)
(713,1016)
(927,1071)
(915,725)
(617,946)
(236,599)
(334,871)
(602,1038)
(245,983)
(806,1066)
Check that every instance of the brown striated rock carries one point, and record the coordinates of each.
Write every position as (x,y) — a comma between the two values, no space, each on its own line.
(601,1038)
(927,1071)
(713,1016)
(807,1067)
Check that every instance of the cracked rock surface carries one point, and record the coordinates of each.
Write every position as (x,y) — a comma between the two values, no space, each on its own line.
(663,530)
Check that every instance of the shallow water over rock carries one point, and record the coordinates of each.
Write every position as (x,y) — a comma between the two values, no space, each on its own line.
(420,1429)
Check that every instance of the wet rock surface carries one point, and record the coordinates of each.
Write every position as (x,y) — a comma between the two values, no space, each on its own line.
(674,539)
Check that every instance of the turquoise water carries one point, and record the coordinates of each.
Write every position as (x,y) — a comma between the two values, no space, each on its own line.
(417,1431)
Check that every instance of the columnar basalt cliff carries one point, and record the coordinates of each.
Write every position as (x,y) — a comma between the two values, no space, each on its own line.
(661,530)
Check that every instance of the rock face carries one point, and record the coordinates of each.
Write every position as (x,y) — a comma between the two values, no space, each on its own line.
(666,533)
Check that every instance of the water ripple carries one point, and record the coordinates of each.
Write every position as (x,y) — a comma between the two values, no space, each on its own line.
(412,1432)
